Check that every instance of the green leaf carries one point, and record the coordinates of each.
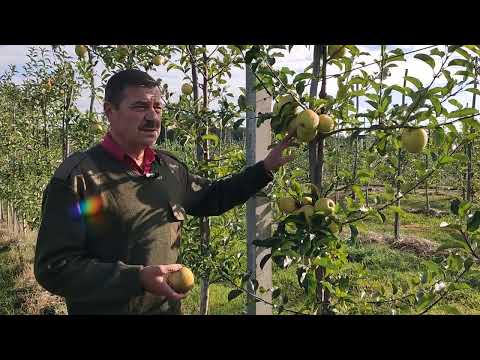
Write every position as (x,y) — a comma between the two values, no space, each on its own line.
(357,80)
(459,62)
(452,244)
(302,76)
(382,215)
(464,73)
(455,103)
(452,48)
(475,91)
(425,301)
(454,263)
(291,228)
(397,209)
(426,58)
(400,89)
(436,105)
(445,159)
(462,113)
(358,192)
(234,294)
(474,222)
(472,122)
(464,207)
(414,81)
(437,52)
(438,136)
(211,137)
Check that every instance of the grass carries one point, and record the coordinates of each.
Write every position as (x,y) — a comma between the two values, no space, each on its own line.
(19,292)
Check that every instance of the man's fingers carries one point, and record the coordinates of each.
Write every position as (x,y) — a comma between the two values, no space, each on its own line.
(170,268)
(287,159)
(170,293)
(286,142)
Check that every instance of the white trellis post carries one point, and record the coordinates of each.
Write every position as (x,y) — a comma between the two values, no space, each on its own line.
(259,215)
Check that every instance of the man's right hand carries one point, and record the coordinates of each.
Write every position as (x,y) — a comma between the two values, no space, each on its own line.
(154,281)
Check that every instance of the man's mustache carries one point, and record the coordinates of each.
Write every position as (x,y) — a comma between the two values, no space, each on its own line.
(151,125)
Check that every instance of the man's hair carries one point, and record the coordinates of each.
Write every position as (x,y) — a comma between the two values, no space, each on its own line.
(123,79)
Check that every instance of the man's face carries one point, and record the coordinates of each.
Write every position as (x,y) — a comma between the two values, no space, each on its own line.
(136,122)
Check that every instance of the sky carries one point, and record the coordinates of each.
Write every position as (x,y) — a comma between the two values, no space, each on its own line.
(298,59)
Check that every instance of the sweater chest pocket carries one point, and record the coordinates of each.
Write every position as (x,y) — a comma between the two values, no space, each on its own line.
(178,215)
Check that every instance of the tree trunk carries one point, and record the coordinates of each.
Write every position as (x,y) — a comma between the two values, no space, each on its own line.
(469,195)
(1,210)
(323,295)
(427,199)
(9,218)
(202,155)
(399,173)
(313,146)
(355,146)
(397,216)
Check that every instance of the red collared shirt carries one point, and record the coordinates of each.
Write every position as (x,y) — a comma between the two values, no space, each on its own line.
(118,153)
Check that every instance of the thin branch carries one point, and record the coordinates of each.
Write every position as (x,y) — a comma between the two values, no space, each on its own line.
(465,237)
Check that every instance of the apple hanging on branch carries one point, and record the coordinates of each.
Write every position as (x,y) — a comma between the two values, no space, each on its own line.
(158,60)
(336,51)
(187,89)
(287,204)
(414,140)
(81,51)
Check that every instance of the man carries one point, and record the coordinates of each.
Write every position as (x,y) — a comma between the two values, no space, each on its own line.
(112,215)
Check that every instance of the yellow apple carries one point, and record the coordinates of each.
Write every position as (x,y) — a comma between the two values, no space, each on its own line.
(325,205)
(307,119)
(80,50)
(414,140)
(187,89)
(307,200)
(333,227)
(306,134)
(96,127)
(336,51)
(181,281)
(307,211)
(292,126)
(325,124)
(287,204)
(158,60)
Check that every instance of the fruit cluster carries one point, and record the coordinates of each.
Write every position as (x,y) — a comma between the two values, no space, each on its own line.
(305,124)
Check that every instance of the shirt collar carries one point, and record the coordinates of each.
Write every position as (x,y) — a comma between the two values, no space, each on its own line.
(118,153)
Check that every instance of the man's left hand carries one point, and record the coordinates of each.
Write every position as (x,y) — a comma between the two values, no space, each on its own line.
(275,159)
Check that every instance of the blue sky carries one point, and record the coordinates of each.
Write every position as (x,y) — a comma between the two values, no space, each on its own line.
(299,58)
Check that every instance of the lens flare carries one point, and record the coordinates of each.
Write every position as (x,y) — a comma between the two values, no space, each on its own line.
(88,207)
